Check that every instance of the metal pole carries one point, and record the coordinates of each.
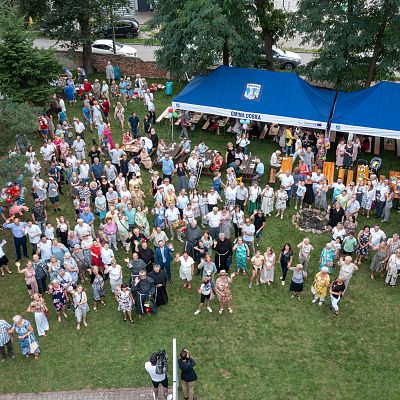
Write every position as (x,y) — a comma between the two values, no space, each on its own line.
(172,129)
(174,371)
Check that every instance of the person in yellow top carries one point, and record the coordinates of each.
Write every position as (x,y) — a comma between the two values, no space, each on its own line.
(320,286)
(289,142)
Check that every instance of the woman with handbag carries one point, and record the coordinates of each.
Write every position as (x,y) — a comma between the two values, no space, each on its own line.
(81,306)
(26,336)
(41,312)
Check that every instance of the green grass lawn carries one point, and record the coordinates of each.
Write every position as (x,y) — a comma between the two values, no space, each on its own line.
(272,347)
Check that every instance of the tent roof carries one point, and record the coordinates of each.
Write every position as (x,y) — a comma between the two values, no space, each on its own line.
(374,111)
(257,94)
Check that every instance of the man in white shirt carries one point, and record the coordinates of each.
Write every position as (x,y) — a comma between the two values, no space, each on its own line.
(214,221)
(116,155)
(212,199)
(79,128)
(377,236)
(65,280)
(192,162)
(47,151)
(79,146)
(382,189)
(147,143)
(84,171)
(34,233)
(182,201)
(317,177)
(44,248)
(81,229)
(275,161)
(287,181)
(166,185)
(156,379)
(172,217)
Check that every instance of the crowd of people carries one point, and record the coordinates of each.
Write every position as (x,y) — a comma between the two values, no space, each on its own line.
(73,262)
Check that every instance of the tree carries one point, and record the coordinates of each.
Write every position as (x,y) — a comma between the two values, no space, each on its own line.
(196,34)
(17,123)
(25,71)
(77,23)
(358,40)
(272,22)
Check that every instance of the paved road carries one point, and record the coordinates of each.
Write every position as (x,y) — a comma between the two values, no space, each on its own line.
(104,394)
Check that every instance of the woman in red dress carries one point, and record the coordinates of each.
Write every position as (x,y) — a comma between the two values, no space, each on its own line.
(95,251)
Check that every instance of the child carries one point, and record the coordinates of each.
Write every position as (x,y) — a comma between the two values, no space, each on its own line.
(205,292)
(49,231)
(257,261)
(349,244)
(192,181)
(301,191)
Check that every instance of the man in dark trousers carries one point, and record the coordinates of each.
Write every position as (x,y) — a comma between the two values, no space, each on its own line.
(188,375)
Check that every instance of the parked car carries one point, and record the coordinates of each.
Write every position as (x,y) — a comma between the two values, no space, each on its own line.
(105,46)
(282,59)
(127,27)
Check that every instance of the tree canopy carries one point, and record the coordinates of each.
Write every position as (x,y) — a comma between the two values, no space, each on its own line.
(77,23)
(358,41)
(25,71)
(197,34)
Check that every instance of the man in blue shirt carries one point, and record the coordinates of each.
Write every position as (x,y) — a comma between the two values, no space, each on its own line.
(88,218)
(259,170)
(167,167)
(134,124)
(96,169)
(18,231)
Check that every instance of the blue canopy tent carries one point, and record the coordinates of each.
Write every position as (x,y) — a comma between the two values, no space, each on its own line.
(374,111)
(259,95)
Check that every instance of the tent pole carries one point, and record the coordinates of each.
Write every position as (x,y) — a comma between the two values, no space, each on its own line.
(328,125)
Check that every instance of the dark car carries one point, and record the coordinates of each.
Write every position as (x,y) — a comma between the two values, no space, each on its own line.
(127,28)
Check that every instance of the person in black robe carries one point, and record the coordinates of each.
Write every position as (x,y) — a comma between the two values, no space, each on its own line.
(223,253)
(160,278)
(147,255)
(336,215)
(144,289)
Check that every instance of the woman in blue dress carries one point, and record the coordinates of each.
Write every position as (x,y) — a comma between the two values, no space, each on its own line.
(69,91)
(26,336)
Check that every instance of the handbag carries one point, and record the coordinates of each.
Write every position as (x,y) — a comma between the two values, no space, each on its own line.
(33,345)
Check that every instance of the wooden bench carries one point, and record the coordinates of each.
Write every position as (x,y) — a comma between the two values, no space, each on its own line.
(350,176)
(287,164)
(162,116)
(341,174)
(329,171)
(377,146)
(206,125)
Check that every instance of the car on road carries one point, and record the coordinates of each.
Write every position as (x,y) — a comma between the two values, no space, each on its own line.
(282,59)
(105,46)
(126,27)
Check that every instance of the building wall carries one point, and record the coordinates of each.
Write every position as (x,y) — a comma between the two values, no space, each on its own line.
(128,66)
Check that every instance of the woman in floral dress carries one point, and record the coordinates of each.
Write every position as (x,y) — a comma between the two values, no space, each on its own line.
(364,241)
(281,198)
(97,288)
(226,222)
(267,203)
(321,152)
(194,201)
(379,260)
(59,298)
(224,293)
(26,336)
(39,309)
(242,252)
(368,197)
(320,286)
(125,301)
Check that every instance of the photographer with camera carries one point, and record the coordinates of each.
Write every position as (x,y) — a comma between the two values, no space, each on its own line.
(188,375)
(157,369)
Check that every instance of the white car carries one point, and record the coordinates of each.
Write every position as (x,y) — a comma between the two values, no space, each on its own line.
(105,46)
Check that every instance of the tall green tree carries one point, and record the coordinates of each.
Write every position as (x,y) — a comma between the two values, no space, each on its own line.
(25,71)
(358,40)
(76,23)
(196,34)
(272,22)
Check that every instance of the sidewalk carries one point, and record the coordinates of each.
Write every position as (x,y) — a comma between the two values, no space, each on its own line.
(102,394)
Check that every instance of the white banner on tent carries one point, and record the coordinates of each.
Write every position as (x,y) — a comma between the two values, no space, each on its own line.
(251,116)
(362,130)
